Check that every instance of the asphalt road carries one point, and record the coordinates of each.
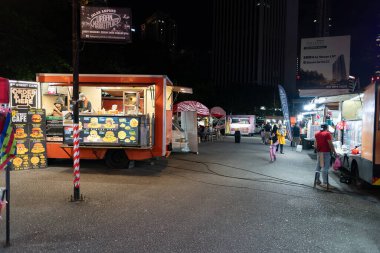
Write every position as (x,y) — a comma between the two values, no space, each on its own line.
(228,198)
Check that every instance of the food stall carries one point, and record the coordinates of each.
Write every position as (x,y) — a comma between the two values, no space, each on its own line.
(361,137)
(130,117)
(189,115)
(326,109)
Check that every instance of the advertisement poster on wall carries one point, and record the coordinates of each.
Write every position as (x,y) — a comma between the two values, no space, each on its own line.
(106,24)
(324,62)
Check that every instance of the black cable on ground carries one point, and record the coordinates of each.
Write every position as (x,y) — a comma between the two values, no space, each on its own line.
(275,179)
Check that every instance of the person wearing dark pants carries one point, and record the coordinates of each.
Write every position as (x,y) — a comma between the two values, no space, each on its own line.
(296,134)
(281,133)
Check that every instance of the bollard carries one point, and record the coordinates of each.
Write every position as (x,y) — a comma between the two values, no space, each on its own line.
(237,136)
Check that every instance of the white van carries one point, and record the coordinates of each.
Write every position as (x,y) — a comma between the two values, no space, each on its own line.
(244,123)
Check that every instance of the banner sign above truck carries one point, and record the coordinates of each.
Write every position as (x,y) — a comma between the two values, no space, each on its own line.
(105,24)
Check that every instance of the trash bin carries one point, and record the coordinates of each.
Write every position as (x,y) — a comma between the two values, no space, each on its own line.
(237,136)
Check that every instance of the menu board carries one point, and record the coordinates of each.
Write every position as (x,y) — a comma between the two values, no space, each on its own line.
(30,133)
(68,135)
(106,130)
(100,130)
(54,128)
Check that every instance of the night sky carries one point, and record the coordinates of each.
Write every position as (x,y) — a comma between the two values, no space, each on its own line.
(38,21)
(193,18)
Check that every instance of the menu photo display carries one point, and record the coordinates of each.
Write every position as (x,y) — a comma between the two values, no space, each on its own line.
(128,131)
(22,147)
(36,131)
(38,160)
(36,116)
(21,131)
(100,122)
(37,146)
(100,130)
(21,162)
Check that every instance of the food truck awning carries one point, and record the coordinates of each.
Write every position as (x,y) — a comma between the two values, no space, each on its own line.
(217,112)
(194,106)
(102,79)
(335,99)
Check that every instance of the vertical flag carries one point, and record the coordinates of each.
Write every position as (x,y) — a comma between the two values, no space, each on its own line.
(285,110)
(7,141)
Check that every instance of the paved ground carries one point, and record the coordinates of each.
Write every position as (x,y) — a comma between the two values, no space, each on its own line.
(229,198)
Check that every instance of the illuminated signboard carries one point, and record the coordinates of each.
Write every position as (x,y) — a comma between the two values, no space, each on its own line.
(106,24)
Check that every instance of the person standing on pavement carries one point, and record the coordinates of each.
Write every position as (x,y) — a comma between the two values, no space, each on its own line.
(267,129)
(262,133)
(324,147)
(273,144)
(296,134)
(281,133)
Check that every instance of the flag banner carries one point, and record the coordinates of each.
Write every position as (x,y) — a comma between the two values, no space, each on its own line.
(285,110)
(7,141)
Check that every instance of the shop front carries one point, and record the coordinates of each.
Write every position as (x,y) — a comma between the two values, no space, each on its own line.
(122,117)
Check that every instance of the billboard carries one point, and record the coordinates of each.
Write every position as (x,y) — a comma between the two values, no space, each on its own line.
(325,62)
(106,24)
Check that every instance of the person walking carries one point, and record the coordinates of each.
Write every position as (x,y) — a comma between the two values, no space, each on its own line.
(324,147)
(281,133)
(296,134)
(267,129)
(274,132)
(273,144)
(262,134)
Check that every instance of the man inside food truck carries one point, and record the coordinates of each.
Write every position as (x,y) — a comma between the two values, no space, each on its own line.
(84,104)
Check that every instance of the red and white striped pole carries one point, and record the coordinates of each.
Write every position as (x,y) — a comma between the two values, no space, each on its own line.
(76,162)
(75,51)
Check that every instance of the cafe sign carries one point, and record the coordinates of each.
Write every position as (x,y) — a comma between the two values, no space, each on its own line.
(23,93)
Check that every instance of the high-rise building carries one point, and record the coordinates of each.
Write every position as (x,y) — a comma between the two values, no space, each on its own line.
(377,50)
(160,27)
(339,69)
(323,19)
(254,43)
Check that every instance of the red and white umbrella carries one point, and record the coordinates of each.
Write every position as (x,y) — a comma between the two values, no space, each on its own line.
(218,112)
(193,106)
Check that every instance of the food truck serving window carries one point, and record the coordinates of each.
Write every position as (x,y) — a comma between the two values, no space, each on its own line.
(240,120)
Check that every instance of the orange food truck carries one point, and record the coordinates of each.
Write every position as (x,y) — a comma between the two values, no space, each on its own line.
(364,139)
(130,117)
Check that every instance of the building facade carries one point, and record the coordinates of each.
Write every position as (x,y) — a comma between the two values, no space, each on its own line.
(160,28)
(254,43)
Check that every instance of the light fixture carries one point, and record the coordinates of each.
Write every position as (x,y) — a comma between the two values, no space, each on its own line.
(309,107)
